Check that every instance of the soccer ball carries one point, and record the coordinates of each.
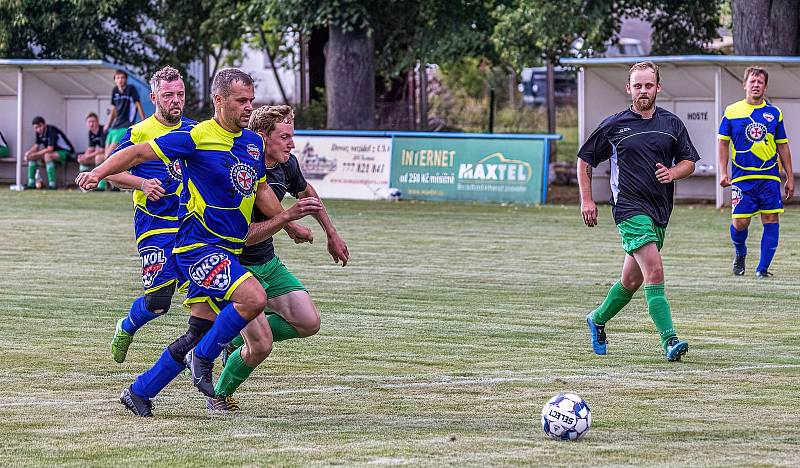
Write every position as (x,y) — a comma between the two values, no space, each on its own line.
(566,417)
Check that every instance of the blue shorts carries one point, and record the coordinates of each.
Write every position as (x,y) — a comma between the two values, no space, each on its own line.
(213,273)
(159,267)
(754,196)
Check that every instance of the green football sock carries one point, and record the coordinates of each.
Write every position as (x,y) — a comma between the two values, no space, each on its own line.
(101,185)
(235,372)
(237,342)
(51,173)
(31,172)
(617,298)
(658,306)
(281,330)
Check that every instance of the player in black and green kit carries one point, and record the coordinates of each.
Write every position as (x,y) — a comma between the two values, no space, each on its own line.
(125,104)
(51,146)
(649,148)
(292,313)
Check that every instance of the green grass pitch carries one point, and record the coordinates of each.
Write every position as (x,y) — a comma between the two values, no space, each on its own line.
(440,342)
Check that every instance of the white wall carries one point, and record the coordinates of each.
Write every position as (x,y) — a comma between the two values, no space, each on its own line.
(42,100)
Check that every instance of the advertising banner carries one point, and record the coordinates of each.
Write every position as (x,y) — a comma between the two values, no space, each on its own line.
(499,170)
(344,166)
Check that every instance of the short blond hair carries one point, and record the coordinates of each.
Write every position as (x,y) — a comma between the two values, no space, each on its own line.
(648,65)
(264,118)
(166,74)
(755,71)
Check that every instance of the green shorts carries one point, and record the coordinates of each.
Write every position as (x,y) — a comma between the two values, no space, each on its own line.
(276,279)
(638,231)
(115,135)
(4,152)
(63,155)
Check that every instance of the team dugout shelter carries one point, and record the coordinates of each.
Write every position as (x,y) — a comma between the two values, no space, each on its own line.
(61,91)
(696,88)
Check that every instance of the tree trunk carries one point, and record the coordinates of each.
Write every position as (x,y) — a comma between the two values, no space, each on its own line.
(350,80)
(765,27)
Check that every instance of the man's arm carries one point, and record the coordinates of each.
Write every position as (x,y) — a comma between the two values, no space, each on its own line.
(785,155)
(723,154)
(268,203)
(151,187)
(681,170)
(588,206)
(110,119)
(336,245)
(121,161)
(141,111)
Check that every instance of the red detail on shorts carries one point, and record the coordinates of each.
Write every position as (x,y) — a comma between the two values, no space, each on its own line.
(220,266)
(154,268)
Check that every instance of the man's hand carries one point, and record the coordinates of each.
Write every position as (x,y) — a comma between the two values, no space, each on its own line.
(789,186)
(87,180)
(299,233)
(153,189)
(725,180)
(338,249)
(663,174)
(304,207)
(589,212)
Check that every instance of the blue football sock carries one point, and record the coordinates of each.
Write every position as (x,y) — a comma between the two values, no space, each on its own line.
(769,244)
(739,239)
(154,379)
(137,317)
(227,326)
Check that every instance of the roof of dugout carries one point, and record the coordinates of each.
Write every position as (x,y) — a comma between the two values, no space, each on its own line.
(697,88)
(61,91)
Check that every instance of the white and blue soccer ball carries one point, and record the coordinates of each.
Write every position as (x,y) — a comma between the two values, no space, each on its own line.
(566,417)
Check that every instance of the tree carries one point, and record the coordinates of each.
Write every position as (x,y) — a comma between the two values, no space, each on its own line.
(765,27)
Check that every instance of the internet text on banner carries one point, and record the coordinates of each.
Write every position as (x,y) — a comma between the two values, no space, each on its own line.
(499,170)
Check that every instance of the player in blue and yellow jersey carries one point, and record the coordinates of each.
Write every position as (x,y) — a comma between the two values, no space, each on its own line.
(649,149)
(156,192)
(223,172)
(292,313)
(759,141)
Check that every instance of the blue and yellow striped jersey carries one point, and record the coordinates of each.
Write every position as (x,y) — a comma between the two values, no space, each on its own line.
(221,171)
(755,132)
(160,216)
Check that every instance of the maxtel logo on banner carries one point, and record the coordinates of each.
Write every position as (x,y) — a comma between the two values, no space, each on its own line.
(212,271)
(469,169)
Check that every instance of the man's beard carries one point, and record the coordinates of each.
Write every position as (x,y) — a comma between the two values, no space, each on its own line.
(642,105)
(168,117)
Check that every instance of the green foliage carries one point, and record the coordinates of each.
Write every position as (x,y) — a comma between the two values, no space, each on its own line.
(531,32)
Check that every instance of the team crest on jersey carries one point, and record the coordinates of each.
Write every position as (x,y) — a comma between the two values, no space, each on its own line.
(756,132)
(243,178)
(253,151)
(153,261)
(736,196)
(174,169)
(212,272)
(768,117)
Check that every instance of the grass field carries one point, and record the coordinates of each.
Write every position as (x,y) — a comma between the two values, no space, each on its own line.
(440,342)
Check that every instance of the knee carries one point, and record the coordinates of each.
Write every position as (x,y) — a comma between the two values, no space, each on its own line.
(309,327)
(655,275)
(158,302)
(258,351)
(197,328)
(254,303)
(631,284)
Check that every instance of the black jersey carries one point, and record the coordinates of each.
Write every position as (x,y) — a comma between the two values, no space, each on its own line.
(635,145)
(125,103)
(53,136)
(98,139)
(282,178)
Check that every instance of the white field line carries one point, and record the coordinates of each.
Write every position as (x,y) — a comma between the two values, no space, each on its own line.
(445,382)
